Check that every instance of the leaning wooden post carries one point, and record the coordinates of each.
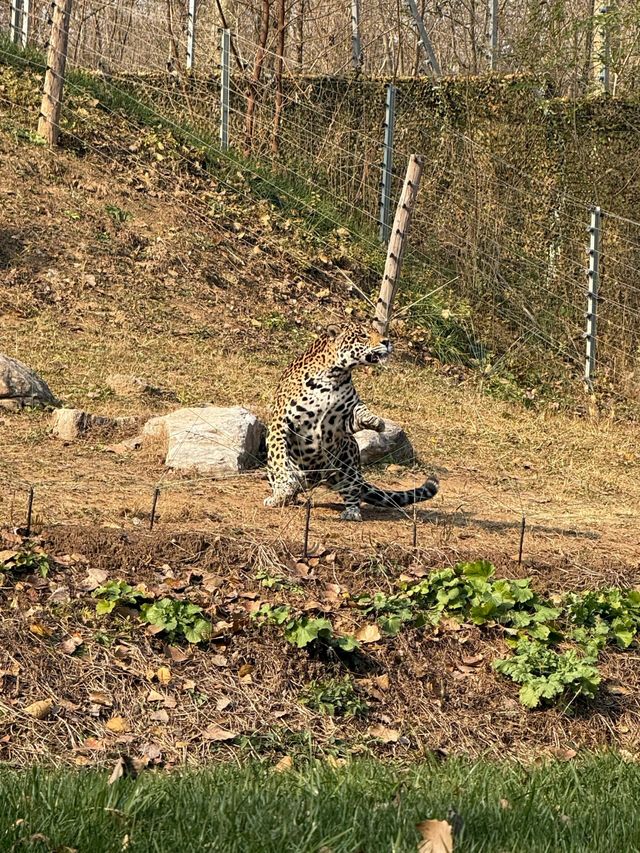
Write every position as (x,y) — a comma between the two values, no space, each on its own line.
(397,242)
(48,124)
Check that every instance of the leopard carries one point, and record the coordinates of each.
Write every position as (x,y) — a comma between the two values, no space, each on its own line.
(315,413)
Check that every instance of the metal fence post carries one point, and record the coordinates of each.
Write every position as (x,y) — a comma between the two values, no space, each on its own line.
(593,282)
(191,34)
(15,20)
(387,165)
(224,89)
(492,33)
(424,40)
(603,50)
(356,44)
(26,21)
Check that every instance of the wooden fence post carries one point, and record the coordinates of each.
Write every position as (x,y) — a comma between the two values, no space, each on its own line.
(48,124)
(397,242)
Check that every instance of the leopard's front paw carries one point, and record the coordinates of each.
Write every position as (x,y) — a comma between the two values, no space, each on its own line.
(351,513)
(272,500)
(372,422)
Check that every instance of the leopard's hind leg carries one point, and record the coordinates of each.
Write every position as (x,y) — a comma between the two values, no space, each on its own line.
(285,483)
(346,478)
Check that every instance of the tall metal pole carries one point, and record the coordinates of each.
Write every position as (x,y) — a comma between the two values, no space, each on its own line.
(15,20)
(602,50)
(593,283)
(356,44)
(191,34)
(387,165)
(492,34)
(26,22)
(224,89)
(424,40)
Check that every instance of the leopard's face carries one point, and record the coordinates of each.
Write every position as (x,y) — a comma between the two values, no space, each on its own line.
(352,345)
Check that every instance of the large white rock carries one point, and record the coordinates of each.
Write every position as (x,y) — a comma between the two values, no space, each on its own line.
(209,439)
(392,445)
(20,387)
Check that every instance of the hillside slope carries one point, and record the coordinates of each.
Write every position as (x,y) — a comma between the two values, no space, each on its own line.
(119,253)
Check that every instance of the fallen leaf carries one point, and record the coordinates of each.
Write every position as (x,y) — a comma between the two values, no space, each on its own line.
(100,698)
(472,660)
(384,734)
(117,772)
(164,675)
(72,643)
(505,805)
(563,753)
(332,761)
(40,630)
(160,716)
(219,660)
(177,655)
(285,763)
(368,634)
(40,710)
(117,725)
(223,703)
(154,696)
(382,681)
(437,836)
(216,732)
(93,579)
(6,556)
(245,669)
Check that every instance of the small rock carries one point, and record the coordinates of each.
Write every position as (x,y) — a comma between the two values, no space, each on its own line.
(69,424)
(209,439)
(20,387)
(392,445)
(124,385)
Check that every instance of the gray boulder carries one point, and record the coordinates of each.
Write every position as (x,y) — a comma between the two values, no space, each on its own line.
(69,424)
(209,439)
(20,387)
(392,445)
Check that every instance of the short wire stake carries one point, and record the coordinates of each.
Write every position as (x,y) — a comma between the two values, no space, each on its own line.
(522,529)
(156,495)
(307,523)
(29,512)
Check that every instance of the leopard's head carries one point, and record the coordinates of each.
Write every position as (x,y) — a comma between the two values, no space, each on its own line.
(352,345)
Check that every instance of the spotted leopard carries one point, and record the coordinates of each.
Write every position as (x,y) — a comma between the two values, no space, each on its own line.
(316,411)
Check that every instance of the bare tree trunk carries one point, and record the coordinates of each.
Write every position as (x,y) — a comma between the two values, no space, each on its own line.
(275,141)
(173,43)
(252,92)
(300,28)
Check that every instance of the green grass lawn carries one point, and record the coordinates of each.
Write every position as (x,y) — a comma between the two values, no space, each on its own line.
(581,805)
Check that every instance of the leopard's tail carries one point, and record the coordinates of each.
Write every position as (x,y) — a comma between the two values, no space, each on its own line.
(380,497)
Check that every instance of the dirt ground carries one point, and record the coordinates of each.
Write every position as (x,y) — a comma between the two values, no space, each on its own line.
(204,292)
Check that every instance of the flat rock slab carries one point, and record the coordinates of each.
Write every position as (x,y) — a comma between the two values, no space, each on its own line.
(21,388)
(392,445)
(209,439)
(69,424)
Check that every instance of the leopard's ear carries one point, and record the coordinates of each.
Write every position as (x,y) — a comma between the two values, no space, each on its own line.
(333,331)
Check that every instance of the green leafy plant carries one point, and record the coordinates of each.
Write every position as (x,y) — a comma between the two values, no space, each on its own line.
(116,593)
(178,619)
(546,674)
(117,214)
(335,697)
(301,630)
(29,559)
(603,616)
(466,591)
